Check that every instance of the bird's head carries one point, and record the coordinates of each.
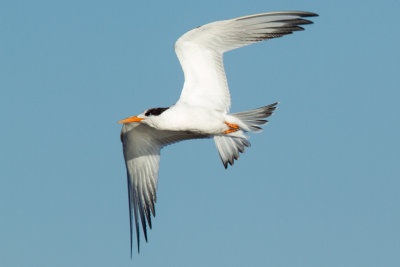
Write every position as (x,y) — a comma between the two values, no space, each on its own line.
(146,115)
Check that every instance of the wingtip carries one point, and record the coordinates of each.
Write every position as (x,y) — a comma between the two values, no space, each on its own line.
(138,244)
(309,14)
(131,247)
(145,235)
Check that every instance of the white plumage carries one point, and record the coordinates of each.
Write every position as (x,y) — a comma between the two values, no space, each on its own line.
(202,109)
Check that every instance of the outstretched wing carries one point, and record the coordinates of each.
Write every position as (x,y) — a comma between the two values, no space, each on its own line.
(142,156)
(142,145)
(200,52)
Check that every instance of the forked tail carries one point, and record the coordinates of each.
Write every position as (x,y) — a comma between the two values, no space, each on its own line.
(230,145)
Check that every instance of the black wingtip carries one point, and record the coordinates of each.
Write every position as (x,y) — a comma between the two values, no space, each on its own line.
(309,14)
(274,104)
(138,244)
(138,240)
(130,211)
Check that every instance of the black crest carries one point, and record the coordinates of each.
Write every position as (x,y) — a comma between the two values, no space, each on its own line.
(155,111)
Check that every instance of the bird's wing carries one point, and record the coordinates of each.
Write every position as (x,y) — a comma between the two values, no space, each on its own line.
(141,146)
(200,52)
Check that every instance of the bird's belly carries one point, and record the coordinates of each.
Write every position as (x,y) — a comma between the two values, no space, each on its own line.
(200,121)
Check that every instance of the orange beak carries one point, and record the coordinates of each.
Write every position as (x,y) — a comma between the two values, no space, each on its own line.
(131,119)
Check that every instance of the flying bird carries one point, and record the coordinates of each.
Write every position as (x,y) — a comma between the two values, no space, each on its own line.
(202,110)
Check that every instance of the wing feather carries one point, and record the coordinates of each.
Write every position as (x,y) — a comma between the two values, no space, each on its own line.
(142,145)
(200,52)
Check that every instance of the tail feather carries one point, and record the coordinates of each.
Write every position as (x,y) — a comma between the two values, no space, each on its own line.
(230,145)
(252,119)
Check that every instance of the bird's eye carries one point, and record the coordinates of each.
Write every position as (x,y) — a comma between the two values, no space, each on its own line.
(147,113)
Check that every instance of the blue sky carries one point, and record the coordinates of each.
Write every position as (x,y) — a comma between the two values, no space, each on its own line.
(319,187)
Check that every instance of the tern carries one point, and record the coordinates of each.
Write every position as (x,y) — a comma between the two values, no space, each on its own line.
(202,110)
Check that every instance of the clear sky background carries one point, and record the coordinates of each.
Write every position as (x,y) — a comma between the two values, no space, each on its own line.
(319,187)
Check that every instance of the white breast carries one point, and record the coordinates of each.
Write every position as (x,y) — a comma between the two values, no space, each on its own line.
(190,118)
